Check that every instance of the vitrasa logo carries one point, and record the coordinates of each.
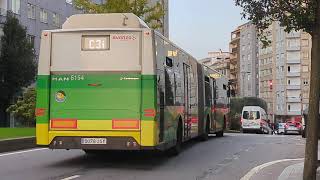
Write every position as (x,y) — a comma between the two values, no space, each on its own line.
(124,37)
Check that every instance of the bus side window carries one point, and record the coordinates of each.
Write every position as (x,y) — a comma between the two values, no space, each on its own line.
(207,91)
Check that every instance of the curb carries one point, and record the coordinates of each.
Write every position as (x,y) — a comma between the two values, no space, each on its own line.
(17,144)
(232,131)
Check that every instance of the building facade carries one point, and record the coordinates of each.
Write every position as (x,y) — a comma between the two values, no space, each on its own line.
(249,64)
(234,47)
(219,61)
(285,72)
(38,15)
(165,20)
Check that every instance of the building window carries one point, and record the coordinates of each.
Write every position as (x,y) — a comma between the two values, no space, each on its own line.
(305,43)
(31,40)
(305,68)
(289,82)
(289,107)
(56,19)
(43,16)
(305,55)
(31,11)
(289,68)
(15,6)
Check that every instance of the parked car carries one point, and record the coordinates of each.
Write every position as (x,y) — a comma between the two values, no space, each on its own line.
(281,128)
(293,127)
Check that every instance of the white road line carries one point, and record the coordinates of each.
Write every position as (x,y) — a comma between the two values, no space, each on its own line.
(21,152)
(255,170)
(71,177)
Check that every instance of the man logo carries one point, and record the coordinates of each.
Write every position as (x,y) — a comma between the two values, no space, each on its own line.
(60,96)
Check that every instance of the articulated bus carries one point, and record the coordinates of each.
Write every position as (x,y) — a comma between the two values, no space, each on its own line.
(108,82)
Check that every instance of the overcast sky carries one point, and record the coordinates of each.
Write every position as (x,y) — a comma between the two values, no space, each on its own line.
(200,26)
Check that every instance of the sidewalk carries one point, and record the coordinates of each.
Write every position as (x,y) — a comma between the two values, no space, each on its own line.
(294,172)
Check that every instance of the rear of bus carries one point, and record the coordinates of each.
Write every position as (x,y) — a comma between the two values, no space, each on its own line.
(251,120)
(96,85)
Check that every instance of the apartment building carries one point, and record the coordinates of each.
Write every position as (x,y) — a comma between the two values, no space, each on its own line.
(235,60)
(285,72)
(249,64)
(219,61)
(38,15)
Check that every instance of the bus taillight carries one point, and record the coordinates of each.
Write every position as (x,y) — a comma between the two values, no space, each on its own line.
(149,113)
(64,123)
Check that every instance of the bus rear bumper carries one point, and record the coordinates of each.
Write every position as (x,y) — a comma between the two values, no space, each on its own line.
(111,143)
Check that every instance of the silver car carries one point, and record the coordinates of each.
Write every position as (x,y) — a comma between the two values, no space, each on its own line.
(295,128)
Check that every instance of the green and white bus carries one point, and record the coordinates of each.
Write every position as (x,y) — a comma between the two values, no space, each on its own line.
(108,82)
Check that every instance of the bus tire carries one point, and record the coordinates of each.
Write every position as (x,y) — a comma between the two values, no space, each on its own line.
(176,149)
(205,135)
(220,133)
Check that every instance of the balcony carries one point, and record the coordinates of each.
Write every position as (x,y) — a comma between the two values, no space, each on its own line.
(293,61)
(294,35)
(293,87)
(293,48)
(293,74)
(294,113)
(293,100)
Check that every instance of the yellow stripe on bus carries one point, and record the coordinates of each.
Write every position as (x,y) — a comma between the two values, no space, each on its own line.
(149,135)
(42,131)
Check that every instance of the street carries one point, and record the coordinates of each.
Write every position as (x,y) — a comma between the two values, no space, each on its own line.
(227,158)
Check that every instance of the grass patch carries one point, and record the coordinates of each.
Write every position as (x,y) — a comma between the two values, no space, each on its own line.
(8,133)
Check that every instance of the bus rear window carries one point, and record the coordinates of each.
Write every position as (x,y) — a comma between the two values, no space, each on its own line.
(251,115)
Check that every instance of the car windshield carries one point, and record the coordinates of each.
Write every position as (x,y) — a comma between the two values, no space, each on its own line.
(251,115)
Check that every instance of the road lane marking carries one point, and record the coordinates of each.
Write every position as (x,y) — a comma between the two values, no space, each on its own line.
(21,152)
(71,177)
(255,170)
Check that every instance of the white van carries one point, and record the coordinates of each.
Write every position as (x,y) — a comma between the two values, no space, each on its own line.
(254,119)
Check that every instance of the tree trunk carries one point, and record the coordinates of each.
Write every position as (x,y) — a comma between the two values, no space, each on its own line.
(311,151)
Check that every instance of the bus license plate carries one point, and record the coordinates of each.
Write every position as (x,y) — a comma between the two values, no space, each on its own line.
(93,141)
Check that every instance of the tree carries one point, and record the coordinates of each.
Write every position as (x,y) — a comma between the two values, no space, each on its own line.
(151,14)
(295,15)
(17,64)
(25,107)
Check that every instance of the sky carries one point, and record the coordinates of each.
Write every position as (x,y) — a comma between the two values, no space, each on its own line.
(201,26)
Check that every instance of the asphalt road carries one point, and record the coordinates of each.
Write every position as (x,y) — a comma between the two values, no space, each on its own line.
(226,158)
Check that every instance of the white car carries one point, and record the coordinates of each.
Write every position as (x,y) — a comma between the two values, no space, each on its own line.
(281,128)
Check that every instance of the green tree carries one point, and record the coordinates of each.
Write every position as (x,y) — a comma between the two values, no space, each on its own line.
(17,64)
(25,107)
(152,14)
(295,15)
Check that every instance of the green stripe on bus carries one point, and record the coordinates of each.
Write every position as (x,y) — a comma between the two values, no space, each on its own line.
(43,85)
(98,97)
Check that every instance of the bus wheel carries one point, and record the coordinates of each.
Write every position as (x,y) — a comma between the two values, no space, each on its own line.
(175,150)
(220,133)
(205,135)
